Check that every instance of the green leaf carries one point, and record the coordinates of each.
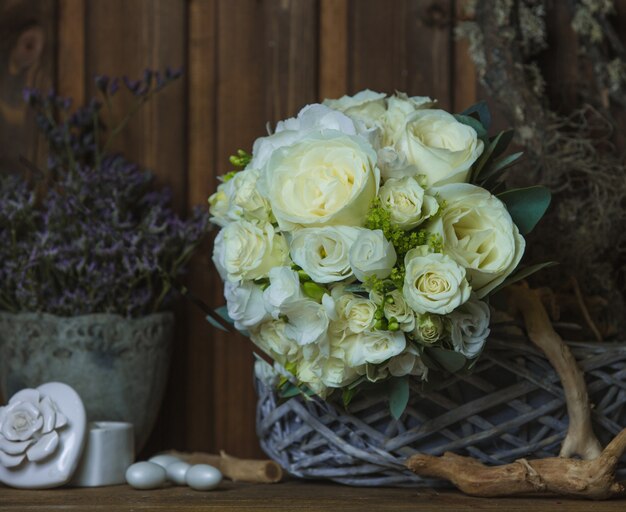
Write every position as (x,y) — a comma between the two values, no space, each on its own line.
(449,359)
(221,312)
(526,206)
(482,111)
(314,290)
(355,288)
(498,143)
(398,396)
(503,140)
(523,273)
(492,173)
(347,396)
(473,123)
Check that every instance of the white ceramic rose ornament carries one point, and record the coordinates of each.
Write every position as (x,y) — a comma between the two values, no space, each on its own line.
(42,432)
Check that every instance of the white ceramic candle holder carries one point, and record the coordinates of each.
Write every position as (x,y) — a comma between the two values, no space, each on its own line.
(109,451)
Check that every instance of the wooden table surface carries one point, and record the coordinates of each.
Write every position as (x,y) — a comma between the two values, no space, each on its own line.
(290,496)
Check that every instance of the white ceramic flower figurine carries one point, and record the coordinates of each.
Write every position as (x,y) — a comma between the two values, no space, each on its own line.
(28,428)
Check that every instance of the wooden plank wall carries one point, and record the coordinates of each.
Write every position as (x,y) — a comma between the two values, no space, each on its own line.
(247,62)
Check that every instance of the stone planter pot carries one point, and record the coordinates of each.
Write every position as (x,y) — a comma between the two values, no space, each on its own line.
(117,365)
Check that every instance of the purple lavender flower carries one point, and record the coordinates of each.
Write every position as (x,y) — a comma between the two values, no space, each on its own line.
(101,237)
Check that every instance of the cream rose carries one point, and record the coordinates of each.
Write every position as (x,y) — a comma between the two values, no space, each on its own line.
(219,204)
(408,363)
(399,107)
(396,309)
(284,287)
(407,202)
(246,200)
(273,340)
(307,321)
(323,253)
(441,148)
(311,118)
(326,179)
(373,347)
(479,234)
(434,282)
(244,302)
(248,250)
(470,327)
(372,255)
(429,329)
(357,312)
(366,106)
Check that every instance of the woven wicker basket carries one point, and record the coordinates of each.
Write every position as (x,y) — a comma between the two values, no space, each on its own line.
(511,406)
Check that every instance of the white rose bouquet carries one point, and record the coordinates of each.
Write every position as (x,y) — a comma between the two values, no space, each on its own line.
(360,241)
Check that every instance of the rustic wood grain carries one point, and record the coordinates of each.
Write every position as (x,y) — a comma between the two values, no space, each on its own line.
(333,48)
(290,496)
(201,108)
(463,79)
(71,50)
(27,40)
(404,47)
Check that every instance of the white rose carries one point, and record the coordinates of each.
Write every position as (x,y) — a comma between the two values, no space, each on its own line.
(470,327)
(273,340)
(323,253)
(311,118)
(307,321)
(219,204)
(284,287)
(393,164)
(326,179)
(336,372)
(357,312)
(373,347)
(246,201)
(248,250)
(406,202)
(434,282)
(396,309)
(429,329)
(479,234)
(407,363)
(439,146)
(366,106)
(372,255)
(28,428)
(399,107)
(245,305)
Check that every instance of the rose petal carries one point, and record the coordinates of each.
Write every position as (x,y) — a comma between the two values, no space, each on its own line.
(25,395)
(46,445)
(10,461)
(61,420)
(14,448)
(49,414)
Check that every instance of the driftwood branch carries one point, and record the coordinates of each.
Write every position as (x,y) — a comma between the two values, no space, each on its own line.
(580,439)
(238,470)
(593,479)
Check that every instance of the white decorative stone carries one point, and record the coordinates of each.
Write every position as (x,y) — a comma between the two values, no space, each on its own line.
(177,472)
(203,477)
(145,475)
(109,451)
(42,434)
(164,460)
